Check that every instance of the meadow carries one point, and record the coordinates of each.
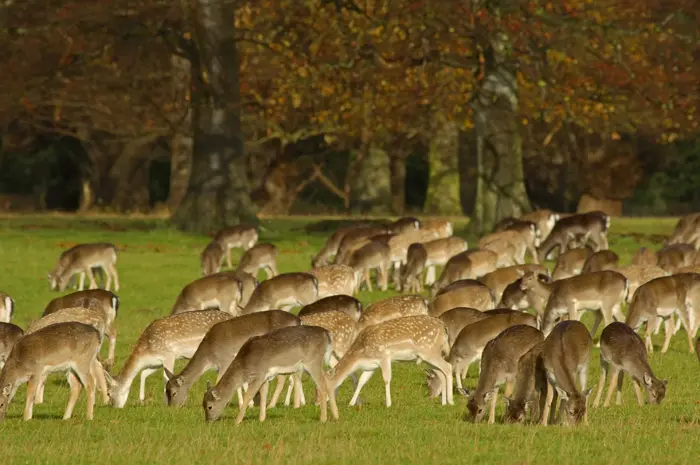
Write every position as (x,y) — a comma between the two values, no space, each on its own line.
(155,262)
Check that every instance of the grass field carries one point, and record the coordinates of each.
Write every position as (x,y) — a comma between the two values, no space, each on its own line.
(156,262)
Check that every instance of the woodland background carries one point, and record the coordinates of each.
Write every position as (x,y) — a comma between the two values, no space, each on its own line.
(218,111)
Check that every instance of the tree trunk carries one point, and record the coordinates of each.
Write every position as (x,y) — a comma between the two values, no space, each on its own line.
(397,168)
(443,184)
(219,189)
(468,174)
(181,144)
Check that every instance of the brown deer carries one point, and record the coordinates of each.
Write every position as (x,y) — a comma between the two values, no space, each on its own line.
(374,255)
(499,279)
(334,280)
(211,257)
(221,291)
(462,293)
(9,335)
(600,261)
(234,237)
(471,264)
(330,248)
(82,259)
(259,256)
(284,291)
(571,262)
(392,308)
(335,303)
(592,225)
(675,256)
(530,386)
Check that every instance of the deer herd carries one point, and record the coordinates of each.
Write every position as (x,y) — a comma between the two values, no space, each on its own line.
(478,311)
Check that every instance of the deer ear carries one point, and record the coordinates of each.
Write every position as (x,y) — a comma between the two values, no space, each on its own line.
(214,394)
(7,390)
(647,379)
(664,381)
(543,278)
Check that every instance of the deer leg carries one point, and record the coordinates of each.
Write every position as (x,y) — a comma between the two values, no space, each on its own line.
(39,396)
(601,384)
(385,366)
(620,381)
(228,257)
(91,278)
(108,275)
(319,378)
(652,323)
(368,279)
(638,391)
(263,399)
(613,381)
(75,388)
(281,379)
(430,275)
(112,336)
(547,404)
(98,375)
(31,393)
(492,410)
(254,386)
(364,377)
(668,332)
(113,270)
(598,318)
(168,364)
(145,373)
(553,416)
(444,370)
(82,281)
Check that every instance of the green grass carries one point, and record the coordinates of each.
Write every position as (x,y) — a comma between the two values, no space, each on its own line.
(156,262)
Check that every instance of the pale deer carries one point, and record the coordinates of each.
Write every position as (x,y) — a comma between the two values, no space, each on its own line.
(259,256)
(600,261)
(330,248)
(571,262)
(404,224)
(470,264)
(285,351)
(644,256)
(221,291)
(418,337)
(530,387)
(64,347)
(334,280)
(9,335)
(218,348)
(163,342)
(211,257)
(544,219)
(565,356)
(248,285)
(592,225)
(456,319)
(524,234)
(675,256)
(441,228)
(7,308)
(82,259)
(398,249)
(335,303)
(284,291)
(499,365)
(355,239)
(462,293)
(499,279)
(439,251)
(623,350)
(374,255)
(235,237)
(600,291)
(416,259)
(392,308)
(509,249)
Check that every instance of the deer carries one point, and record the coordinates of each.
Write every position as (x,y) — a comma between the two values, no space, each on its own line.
(544,219)
(392,308)
(441,228)
(7,308)
(644,256)
(354,240)
(571,262)
(221,291)
(259,256)
(660,298)
(515,298)
(374,255)
(335,303)
(499,279)
(687,231)
(471,264)
(219,347)
(600,261)
(404,225)
(163,342)
(530,386)
(398,249)
(675,256)
(509,250)
(417,337)
(416,258)
(284,351)
(456,319)
(600,291)
(592,225)
(639,274)
(284,291)
(248,284)
(211,257)
(462,293)
(9,335)
(64,347)
(330,248)
(524,234)
(334,280)
(566,352)
(623,350)
(439,251)
(82,259)
(241,236)
(499,365)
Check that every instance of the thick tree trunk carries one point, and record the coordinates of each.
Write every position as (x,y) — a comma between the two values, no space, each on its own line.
(468,172)
(397,168)
(443,184)
(219,188)
(182,143)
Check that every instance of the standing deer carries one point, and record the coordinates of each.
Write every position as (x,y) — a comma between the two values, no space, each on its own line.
(499,279)
(330,248)
(374,255)
(335,303)
(571,262)
(240,236)
(530,386)
(471,264)
(600,261)
(82,259)
(211,257)
(593,226)
(284,291)
(462,293)
(392,308)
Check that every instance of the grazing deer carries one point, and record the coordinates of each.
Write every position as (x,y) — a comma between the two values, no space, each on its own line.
(398,249)
(544,219)
(499,279)
(687,231)
(571,263)
(284,291)
(600,261)
(441,228)
(592,225)
(374,255)
(675,256)
(470,264)
(456,319)
(9,335)
(623,349)
(416,259)
(515,298)
(259,256)
(82,259)
(163,342)
(658,300)
(462,293)
(354,240)
(221,291)
(335,303)
(248,285)
(565,356)
(211,257)
(499,365)
(508,250)
(330,247)
(439,251)
(334,280)
(7,308)
(64,347)
(392,308)
(284,351)
(404,225)
(639,274)
(219,347)
(530,386)
(600,291)
(240,236)
(418,337)
(644,256)
(524,234)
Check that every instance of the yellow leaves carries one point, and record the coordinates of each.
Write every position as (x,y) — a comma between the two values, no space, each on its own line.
(327,90)
(376,32)
(525,122)
(615,135)
(303,72)
(296,100)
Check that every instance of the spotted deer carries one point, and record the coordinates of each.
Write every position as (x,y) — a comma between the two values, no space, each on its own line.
(623,350)
(374,255)
(398,249)
(439,251)
(499,365)
(284,291)
(354,240)
(259,256)
(334,280)
(592,225)
(462,293)
(211,257)
(499,279)
(64,347)
(392,308)
(330,248)
(470,264)
(234,237)
(221,291)
(456,319)
(335,303)
(404,225)
(81,259)
(7,308)
(163,342)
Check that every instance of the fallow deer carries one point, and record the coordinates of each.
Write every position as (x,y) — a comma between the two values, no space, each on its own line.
(514,297)
(372,256)
(639,274)
(439,251)
(471,264)
(355,239)
(284,291)
(398,249)
(416,259)
(335,303)
(530,386)
(221,291)
(571,262)
(592,225)
(330,248)
(82,259)
(234,237)
(456,319)
(623,349)
(259,256)
(441,228)
(687,231)
(499,279)
(524,234)
(675,256)
(644,256)
(211,257)
(404,224)
(600,261)
(392,308)
(334,280)
(544,219)
(462,293)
